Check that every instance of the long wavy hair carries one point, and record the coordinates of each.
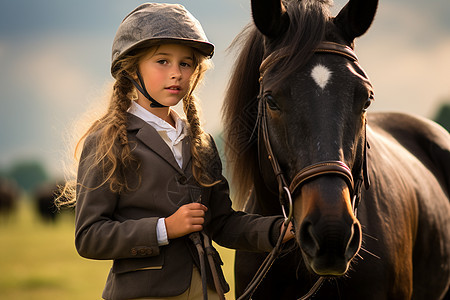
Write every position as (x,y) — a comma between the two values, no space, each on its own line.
(113,151)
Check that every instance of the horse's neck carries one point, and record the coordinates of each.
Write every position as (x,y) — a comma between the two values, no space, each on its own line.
(262,200)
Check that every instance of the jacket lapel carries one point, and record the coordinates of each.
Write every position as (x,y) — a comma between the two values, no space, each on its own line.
(186,152)
(151,138)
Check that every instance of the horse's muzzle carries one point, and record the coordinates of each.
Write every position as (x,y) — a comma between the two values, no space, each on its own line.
(329,234)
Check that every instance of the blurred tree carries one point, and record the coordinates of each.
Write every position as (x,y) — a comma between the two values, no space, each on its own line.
(28,174)
(443,115)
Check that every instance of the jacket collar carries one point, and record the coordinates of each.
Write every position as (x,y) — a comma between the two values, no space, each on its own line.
(151,138)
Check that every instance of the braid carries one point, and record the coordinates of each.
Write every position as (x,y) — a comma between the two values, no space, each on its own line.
(202,155)
(192,116)
(121,103)
(120,158)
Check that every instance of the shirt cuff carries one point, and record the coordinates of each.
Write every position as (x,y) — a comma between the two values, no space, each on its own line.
(161,232)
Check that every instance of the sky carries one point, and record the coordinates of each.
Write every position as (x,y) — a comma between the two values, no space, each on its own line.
(55,58)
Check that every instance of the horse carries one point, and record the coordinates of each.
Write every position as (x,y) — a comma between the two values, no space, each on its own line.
(9,195)
(44,196)
(370,190)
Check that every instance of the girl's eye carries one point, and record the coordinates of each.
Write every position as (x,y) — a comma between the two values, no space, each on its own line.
(186,65)
(271,103)
(162,61)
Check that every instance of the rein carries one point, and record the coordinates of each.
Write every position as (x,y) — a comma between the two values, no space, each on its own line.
(285,191)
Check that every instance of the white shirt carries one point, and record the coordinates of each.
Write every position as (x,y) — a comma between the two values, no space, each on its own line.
(173,137)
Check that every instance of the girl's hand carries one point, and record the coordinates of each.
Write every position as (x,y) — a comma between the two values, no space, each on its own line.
(289,232)
(187,219)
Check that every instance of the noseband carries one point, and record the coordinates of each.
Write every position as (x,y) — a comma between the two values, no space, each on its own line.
(285,191)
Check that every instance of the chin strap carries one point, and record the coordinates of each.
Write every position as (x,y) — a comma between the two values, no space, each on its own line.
(141,88)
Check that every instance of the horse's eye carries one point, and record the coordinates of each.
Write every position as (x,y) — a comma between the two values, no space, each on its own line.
(368,102)
(271,103)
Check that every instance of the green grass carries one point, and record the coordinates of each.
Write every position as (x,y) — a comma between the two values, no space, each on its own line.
(39,260)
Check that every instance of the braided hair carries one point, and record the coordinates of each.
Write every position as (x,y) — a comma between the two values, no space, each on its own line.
(204,157)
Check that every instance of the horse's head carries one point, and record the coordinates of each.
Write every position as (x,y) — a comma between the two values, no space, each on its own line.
(315,97)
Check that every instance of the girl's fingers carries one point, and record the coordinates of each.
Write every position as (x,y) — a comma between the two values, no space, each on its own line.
(196,206)
(196,228)
(197,213)
(188,218)
(198,221)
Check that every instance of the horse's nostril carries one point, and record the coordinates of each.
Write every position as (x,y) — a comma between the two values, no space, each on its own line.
(354,242)
(308,240)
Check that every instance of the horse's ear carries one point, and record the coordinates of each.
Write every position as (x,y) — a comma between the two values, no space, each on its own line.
(356,17)
(270,17)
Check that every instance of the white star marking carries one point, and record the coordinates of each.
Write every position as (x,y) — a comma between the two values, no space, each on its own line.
(321,75)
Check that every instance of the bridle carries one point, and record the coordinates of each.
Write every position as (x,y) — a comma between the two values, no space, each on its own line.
(285,191)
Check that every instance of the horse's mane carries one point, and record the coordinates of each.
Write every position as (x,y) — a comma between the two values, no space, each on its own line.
(308,19)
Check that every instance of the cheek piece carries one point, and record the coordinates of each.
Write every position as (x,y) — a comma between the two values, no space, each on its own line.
(141,87)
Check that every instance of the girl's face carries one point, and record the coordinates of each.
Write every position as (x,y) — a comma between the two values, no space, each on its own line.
(167,73)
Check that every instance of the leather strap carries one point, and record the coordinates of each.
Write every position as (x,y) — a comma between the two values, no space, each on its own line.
(273,161)
(335,48)
(322,47)
(323,168)
(141,88)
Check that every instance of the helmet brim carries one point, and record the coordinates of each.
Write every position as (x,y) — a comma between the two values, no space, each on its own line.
(205,48)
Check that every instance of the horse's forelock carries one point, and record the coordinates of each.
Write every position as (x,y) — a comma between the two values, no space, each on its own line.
(308,20)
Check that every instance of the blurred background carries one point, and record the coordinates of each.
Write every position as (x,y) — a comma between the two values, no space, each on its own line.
(54,62)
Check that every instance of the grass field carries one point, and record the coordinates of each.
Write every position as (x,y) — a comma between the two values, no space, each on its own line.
(38,260)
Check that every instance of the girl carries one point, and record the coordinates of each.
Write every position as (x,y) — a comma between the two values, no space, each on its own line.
(149,193)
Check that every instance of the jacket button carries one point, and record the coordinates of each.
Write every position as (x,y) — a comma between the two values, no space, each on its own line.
(142,252)
(133,251)
(149,251)
(182,179)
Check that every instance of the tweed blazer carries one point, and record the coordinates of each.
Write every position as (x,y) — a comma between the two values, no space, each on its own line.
(122,227)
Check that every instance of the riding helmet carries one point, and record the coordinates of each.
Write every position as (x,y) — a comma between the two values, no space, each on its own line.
(157,23)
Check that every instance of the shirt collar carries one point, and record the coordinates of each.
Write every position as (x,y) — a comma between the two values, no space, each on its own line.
(175,134)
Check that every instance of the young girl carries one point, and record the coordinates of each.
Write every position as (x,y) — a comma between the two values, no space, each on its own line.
(150,194)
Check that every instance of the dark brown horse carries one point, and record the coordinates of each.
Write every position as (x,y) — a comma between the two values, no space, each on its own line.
(299,66)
